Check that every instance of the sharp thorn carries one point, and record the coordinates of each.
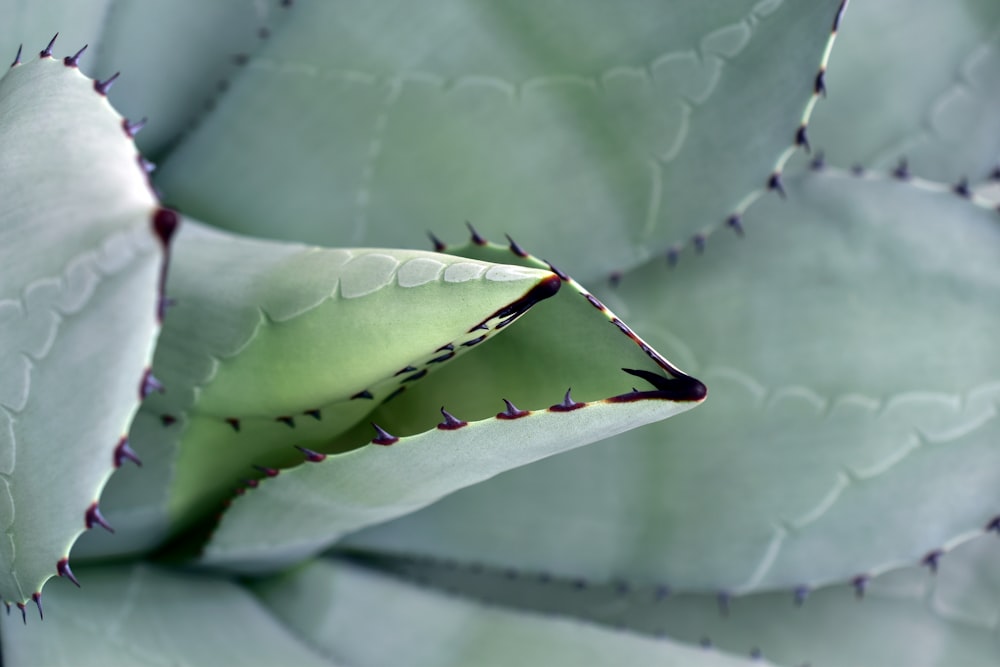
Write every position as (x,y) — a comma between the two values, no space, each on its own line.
(149,384)
(735,222)
(24,613)
(7,604)
(234,422)
(383,437)
(774,183)
(74,60)
(819,86)
(102,87)
(802,138)
(133,128)
(37,597)
(94,517)
(515,248)
(286,420)
(450,422)
(123,452)
(568,404)
(62,569)
(17,58)
(311,456)
(511,411)
(562,276)
(47,51)
(476,238)
(315,414)
(268,472)
(438,244)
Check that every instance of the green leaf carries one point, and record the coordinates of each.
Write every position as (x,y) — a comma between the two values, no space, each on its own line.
(915,616)
(368,619)
(643,122)
(571,340)
(850,361)
(170,85)
(143,615)
(934,106)
(81,253)
(276,344)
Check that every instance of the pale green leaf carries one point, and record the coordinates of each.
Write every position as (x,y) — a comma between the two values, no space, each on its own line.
(850,362)
(935,106)
(367,619)
(914,616)
(642,122)
(81,243)
(273,344)
(145,616)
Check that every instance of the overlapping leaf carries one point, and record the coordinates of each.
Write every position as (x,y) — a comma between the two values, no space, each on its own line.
(569,341)
(331,605)
(850,361)
(272,344)
(916,616)
(147,616)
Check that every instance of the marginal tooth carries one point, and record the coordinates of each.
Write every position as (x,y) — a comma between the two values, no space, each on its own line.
(515,248)
(62,569)
(512,412)
(125,453)
(383,437)
(439,245)
(47,51)
(311,456)
(476,238)
(102,87)
(268,472)
(74,60)
(94,517)
(450,422)
(568,404)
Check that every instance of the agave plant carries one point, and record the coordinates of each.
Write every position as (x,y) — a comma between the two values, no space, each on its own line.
(240,424)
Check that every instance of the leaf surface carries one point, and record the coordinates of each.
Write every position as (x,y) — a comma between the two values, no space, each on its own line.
(570,340)
(273,344)
(146,616)
(933,106)
(331,605)
(81,252)
(644,123)
(912,616)
(850,361)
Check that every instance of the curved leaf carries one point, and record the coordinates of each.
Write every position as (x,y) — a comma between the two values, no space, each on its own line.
(171,86)
(570,340)
(934,106)
(145,616)
(850,360)
(937,614)
(81,254)
(332,606)
(518,117)
(274,344)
